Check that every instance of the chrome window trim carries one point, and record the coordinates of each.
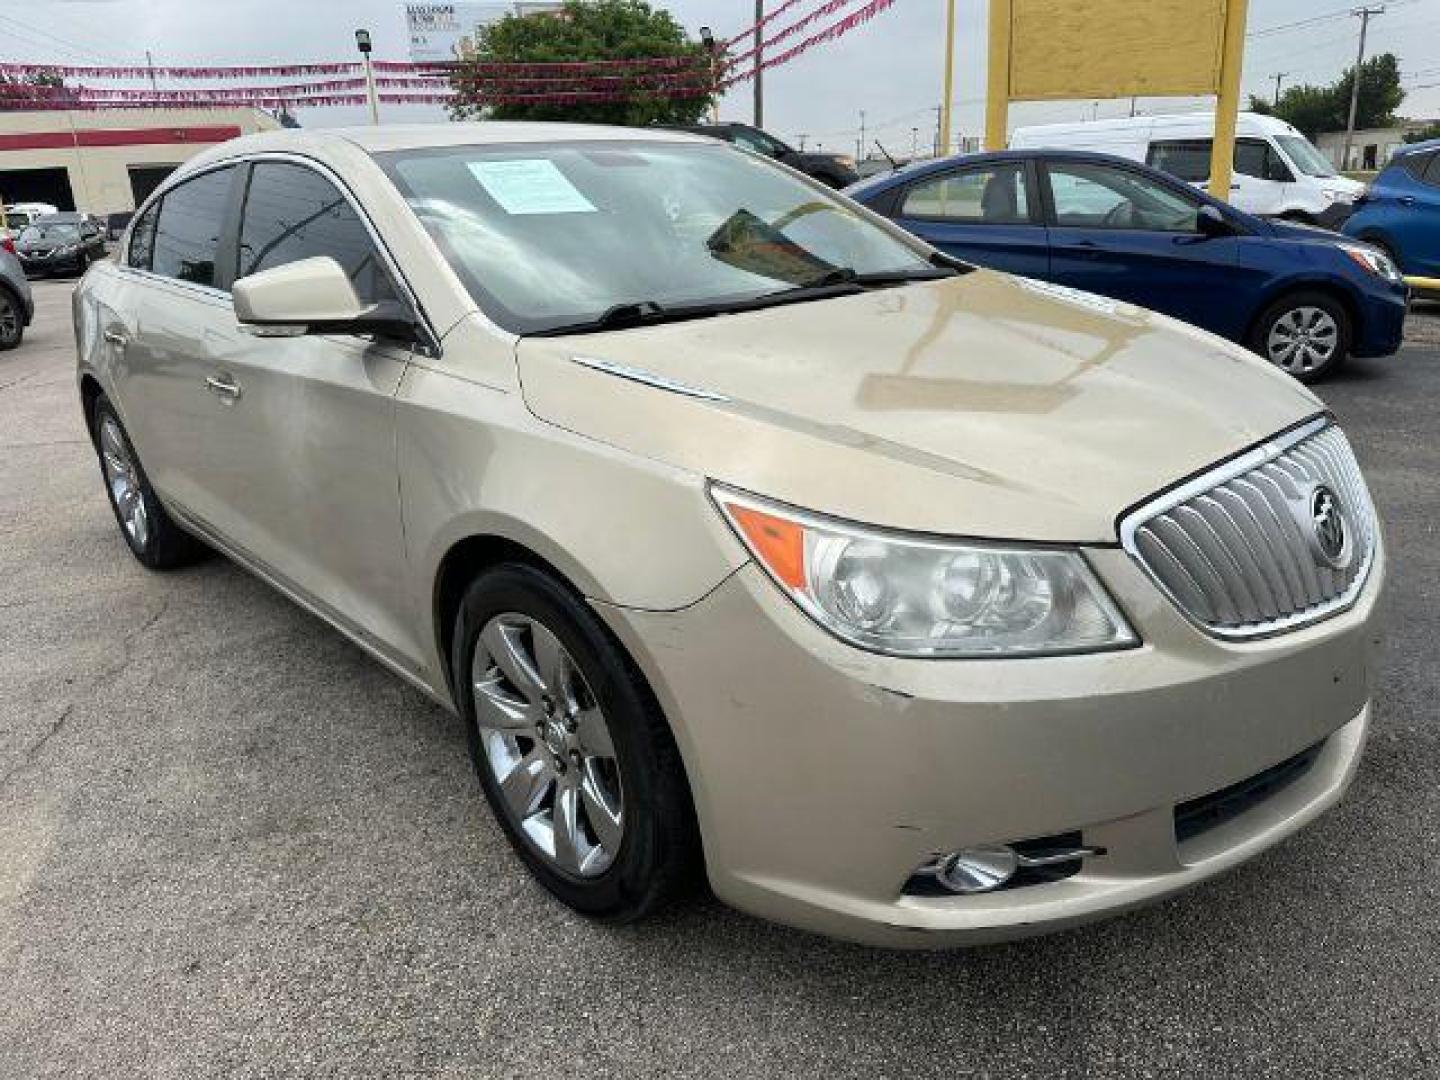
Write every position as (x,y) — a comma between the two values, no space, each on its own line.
(431,347)
(1266,452)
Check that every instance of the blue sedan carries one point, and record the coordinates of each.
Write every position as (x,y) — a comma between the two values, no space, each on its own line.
(1400,211)
(1302,297)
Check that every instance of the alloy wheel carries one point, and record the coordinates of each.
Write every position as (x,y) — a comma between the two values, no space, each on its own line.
(1302,340)
(547,745)
(122,479)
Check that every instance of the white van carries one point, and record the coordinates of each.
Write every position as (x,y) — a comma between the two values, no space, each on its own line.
(1278,172)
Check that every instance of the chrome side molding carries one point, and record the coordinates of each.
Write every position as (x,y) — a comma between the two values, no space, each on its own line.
(639,375)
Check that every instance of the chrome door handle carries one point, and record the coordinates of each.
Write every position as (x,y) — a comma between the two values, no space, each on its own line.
(223,385)
(1406,200)
(116,338)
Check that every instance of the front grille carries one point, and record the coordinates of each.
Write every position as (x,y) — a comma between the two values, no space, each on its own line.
(1239,550)
(1208,811)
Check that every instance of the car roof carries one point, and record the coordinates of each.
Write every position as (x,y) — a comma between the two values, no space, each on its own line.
(387,137)
(1407,149)
(917,169)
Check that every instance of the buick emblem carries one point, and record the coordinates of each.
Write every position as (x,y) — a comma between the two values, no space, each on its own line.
(1328,532)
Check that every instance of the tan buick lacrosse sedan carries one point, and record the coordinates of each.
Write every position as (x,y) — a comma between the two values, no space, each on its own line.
(915,604)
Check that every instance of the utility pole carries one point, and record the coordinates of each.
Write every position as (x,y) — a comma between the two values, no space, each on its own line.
(1132,104)
(860,142)
(759,69)
(1277,77)
(942,147)
(803,137)
(150,65)
(939,128)
(1364,15)
(914,143)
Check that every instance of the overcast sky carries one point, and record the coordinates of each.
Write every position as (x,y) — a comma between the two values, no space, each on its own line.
(891,68)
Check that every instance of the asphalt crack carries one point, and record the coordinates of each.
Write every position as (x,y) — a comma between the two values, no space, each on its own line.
(33,751)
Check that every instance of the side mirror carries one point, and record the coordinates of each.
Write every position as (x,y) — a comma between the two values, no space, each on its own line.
(1210,222)
(313,296)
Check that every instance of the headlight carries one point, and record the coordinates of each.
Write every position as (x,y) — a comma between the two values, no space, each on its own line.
(912,596)
(1374,260)
(846,160)
(1336,195)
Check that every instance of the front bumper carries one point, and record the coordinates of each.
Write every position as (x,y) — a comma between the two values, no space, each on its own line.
(825,776)
(50,264)
(1381,328)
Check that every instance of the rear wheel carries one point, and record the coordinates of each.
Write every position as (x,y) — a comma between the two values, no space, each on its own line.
(12,320)
(152,536)
(1306,334)
(574,757)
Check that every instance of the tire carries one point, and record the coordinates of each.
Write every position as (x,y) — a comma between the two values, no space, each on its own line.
(612,872)
(1321,324)
(149,532)
(82,263)
(12,320)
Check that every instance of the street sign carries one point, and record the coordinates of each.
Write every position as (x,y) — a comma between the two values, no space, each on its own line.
(442,31)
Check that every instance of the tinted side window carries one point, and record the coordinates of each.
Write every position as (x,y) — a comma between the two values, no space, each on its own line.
(142,238)
(1253,158)
(1185,159)
(1415,164)
(1100,197)
(292,213)
(1432,171)
(192,220)
(998,195)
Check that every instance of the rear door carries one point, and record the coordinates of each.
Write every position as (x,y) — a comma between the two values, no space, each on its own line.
(1123,233)
(1418,222)
(987,214)
(166,331)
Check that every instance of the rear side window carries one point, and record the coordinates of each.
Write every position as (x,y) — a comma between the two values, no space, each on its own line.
(293,213)
(998,195)
(1415,164)
(1432,171)
(142,238)
(191,223)
(1184,159)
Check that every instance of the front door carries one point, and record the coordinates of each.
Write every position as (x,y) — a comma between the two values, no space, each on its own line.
(985,214)
(1122,233)
(304,447)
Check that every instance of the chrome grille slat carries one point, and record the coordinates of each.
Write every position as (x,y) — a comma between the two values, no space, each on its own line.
(1235,548)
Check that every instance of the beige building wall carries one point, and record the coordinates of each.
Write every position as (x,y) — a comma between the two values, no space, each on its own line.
(99,174)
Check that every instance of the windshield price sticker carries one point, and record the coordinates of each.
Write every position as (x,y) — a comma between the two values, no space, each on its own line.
(530,186)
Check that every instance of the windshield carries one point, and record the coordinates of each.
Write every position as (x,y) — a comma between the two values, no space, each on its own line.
(553,235)
(1304,156)
(57,233)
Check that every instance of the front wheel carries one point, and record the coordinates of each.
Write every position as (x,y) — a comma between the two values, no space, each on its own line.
(1306,334)
(574,757)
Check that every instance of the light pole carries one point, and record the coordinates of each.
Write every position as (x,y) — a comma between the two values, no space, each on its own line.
(1278,76)
(362,42)
(759,66)
(860,142)
(707,38)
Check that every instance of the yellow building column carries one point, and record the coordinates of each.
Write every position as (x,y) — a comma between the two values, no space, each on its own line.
(997,93)
(1227,100)
(949,78)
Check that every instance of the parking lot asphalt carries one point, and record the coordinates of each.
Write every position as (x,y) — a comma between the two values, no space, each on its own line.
(232,845)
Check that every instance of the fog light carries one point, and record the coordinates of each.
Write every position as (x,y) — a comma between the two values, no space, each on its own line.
(978,869)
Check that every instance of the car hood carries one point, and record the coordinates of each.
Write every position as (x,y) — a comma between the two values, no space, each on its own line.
(982,405)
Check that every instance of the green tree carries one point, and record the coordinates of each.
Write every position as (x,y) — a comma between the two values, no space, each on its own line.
(1315,109)
(587,31)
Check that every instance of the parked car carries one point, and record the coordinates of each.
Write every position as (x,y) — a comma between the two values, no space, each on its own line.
(834,170)
(17,307)
(1302,297)
(918,604)
(59,243)
(1400,211)
(33,209)
(1278,172)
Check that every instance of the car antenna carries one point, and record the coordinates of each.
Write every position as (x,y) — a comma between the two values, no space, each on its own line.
(894,165)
